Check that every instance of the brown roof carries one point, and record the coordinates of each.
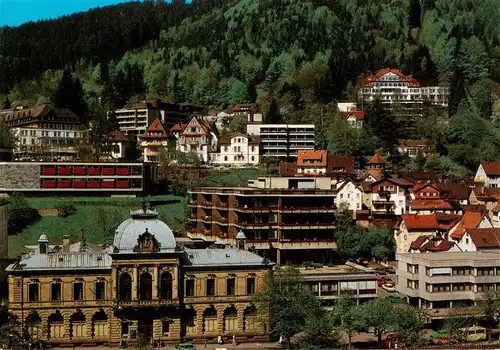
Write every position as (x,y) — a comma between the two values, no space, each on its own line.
(376,159)
(117,136)
(470,220)
(312,158)
(156,130)
(225,138)
(454,190)
(433,246)
(418,242)
(38,112)
(419,175)
(288,169)
(485,237)
(178,127)
(340,163)
(487,193)
(414,143)
(491,168)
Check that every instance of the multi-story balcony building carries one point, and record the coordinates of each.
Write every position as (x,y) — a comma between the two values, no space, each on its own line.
(441,281)
(284,218)
(283,140)
(392,87)
(43,132)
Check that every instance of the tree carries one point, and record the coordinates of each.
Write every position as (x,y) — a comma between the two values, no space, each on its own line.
(291,307)
(69,94)
(273,115)
(238,124)
(378,314)
(20,213)
(7,139)
(409,322)
(238,93)
(347,317)
(10,338)
(491,308)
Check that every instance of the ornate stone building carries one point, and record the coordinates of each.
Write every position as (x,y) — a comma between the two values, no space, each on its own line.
(143,286)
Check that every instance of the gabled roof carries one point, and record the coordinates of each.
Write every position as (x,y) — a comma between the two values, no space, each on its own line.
(491,168)
(421,176)
(414,143)
(470,220)
(384,71)
(117,136)
(397,182)
(37,113)
(178,127)
(419,186)
(435,221)
(312,158)
(359,115)
(336,163)
(207,127)
(490,194)
(225,138)
(485,237)
(454,190)
(156,130)
(376,159)
(431,244)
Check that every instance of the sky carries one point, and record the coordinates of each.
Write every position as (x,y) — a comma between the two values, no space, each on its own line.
(16,12)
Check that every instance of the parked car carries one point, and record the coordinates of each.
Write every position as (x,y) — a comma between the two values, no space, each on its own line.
(395,299)
(441,338)
(381,271)
(183,346)
(389,286)
(390,270)
(380,282)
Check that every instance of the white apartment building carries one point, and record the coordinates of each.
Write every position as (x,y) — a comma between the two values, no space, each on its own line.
(236,149)
(283,140)
(392,86)
(440,281)
(42,131)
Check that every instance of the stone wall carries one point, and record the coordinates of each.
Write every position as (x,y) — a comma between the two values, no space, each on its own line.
(19,176)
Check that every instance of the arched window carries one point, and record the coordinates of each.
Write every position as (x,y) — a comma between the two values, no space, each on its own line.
(125,287)
(166,286)
(146,286)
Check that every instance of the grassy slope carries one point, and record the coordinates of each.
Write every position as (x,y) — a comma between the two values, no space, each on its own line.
(87,218)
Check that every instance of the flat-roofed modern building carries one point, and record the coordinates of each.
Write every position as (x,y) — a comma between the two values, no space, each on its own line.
(441,281)
(331,282)
(283,140)
(286,218)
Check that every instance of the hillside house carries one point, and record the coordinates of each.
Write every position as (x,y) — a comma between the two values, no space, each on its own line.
(156,138)
(488,174)
(350,194)
(312,162)
(236,149)
(200,137)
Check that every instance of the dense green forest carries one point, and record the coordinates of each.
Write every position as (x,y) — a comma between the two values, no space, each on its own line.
(295,57)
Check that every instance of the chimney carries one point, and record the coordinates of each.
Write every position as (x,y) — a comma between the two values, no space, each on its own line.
(65,245)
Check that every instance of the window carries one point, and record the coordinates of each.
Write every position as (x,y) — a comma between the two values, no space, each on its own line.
(210,287)
(250,285)
(55,291)
(78,290)
(100,293)
(253,158)
(34,291)
(225,158)
(190,288)
(124,328)
(165,326)
(230,286)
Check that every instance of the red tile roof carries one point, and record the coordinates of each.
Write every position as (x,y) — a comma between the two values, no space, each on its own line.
(490,194)
(485,237)
(454,190)
(434,204)
(436,221)
(376,159)
(288,169)
(431,246)
(384,71)
(421,176)
(312,158)
(414,143)
(491,168)
(418,242)
(359,115)
(178,127)
(157,130)
(470,220)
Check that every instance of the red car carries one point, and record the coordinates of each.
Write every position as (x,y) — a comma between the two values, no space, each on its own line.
(380,282)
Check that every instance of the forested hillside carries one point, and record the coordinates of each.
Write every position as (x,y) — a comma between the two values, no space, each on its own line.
(296,57)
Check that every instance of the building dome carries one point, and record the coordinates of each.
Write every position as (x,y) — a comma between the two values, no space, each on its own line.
(140,222)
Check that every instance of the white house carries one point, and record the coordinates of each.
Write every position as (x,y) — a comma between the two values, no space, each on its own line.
(200,137)
(349,193)
(391,195)
(236,149)
(488,174)
(480,239)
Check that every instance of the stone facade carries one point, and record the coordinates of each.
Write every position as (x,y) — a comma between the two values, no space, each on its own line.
(19,176)
(155,292)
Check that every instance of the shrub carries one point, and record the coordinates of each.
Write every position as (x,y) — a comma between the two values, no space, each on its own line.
(20,214)
(66,209)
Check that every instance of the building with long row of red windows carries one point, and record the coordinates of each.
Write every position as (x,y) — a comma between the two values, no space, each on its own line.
(75,177)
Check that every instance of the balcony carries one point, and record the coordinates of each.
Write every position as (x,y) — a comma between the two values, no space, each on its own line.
(221,206)
(262,243)
(308,210)
(205,204)
(254,209)
(307,225)
(218,298)
(306,244)
(192,204)
(206,219)
(193,217)
(255,225)
(221,221)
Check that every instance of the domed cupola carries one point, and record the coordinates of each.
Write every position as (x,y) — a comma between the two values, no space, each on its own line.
(143,232)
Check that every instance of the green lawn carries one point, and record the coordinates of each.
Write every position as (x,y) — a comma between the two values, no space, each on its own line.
(235,177)
(98,222)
